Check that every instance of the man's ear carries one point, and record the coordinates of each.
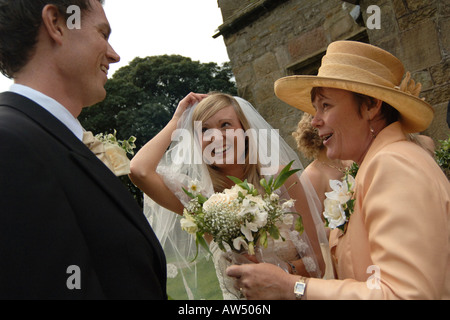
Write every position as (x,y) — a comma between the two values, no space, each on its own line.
(54,22)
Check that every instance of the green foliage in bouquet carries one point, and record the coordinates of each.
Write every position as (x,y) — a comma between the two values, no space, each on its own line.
(127,145)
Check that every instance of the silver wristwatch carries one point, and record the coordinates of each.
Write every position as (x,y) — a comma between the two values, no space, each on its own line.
(299,288)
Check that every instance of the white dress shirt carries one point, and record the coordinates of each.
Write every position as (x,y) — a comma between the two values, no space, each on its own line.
(52,106)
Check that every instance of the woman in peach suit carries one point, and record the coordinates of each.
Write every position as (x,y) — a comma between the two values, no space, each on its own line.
(395,244)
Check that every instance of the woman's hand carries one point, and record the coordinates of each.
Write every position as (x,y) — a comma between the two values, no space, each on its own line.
(187,102)
(263,281)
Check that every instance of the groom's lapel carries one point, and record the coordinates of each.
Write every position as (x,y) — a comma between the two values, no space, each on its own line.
(45,119)
(81,155)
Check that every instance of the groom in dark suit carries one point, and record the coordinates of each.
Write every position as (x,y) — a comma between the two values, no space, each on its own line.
(68,227)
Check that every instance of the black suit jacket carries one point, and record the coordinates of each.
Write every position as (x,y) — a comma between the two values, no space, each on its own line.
(65,219)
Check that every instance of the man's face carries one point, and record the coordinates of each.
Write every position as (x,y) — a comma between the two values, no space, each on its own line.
(88,56)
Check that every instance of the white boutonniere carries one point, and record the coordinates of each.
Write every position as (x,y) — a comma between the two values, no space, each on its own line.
(116,152)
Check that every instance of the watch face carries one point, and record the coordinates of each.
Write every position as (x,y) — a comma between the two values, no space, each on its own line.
(299,288)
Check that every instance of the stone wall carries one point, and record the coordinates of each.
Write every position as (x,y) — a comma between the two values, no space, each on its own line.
(270,39)
(417,32)
(279,39)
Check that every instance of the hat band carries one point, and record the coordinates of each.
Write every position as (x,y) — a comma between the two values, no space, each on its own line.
(391,74)
(352,73)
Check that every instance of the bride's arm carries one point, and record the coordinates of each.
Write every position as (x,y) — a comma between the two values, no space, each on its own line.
(143,165)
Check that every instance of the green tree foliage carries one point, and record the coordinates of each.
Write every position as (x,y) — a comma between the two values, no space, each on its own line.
(442,156)
(142,96)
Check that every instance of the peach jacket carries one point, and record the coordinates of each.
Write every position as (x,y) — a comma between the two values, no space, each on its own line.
(397,242)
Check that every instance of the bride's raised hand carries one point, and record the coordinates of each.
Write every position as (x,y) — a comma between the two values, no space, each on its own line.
(145,162)
(187,102)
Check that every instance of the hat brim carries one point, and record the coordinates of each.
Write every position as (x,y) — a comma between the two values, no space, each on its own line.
(415,114)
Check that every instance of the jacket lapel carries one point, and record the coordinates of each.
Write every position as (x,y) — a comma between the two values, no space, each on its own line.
(45,119)
(82,156)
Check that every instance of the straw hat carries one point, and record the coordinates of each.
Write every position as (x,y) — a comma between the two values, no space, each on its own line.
(364,69)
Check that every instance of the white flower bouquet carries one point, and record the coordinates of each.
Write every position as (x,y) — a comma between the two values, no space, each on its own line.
(240,217)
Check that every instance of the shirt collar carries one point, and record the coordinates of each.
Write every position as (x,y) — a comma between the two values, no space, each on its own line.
(52,106)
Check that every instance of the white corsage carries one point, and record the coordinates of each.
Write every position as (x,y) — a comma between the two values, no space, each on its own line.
(339,204)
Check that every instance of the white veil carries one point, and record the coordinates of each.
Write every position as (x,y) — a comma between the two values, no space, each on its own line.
(182,163)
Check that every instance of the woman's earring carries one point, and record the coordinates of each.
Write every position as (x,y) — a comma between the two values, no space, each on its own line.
(372,132)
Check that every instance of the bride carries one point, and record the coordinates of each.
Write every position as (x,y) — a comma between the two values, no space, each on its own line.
(196,145)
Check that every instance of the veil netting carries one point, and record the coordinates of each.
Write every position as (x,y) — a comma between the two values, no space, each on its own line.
(182,163)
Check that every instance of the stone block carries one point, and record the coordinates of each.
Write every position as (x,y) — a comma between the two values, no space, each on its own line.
(439,129)
(245,74)
(440,73)
(444,27)
(421,46)
(412,20)
(438,94)
(423,77)
(414,5)
(283,57)
(399,8)
(265,65)
(263,89)
(338,28)
(307,43)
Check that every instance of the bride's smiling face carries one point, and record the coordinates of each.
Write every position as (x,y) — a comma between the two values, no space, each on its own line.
(223,139)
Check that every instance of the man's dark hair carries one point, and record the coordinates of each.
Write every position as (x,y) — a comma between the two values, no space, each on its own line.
(19,25)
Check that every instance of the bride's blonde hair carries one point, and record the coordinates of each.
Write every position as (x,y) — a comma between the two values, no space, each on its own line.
(205,110)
